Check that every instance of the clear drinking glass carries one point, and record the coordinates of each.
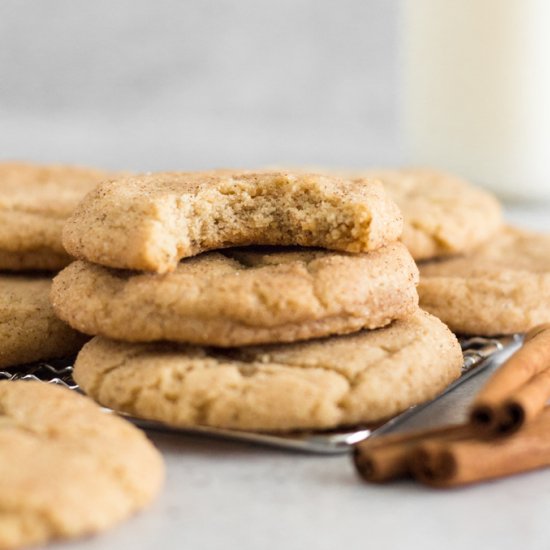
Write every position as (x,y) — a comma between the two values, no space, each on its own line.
(476,91)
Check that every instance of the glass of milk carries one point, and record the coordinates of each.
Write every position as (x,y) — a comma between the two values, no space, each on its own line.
(477,91)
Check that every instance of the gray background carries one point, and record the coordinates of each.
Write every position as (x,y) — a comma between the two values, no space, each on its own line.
(168,84)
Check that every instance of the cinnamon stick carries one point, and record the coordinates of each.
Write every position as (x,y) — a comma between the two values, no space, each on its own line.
(454,463)
(518,391)
(388,457)
(525,404)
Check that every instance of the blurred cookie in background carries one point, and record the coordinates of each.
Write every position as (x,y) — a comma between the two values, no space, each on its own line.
(443,214)
(502,287)
(29,328)
(35,201)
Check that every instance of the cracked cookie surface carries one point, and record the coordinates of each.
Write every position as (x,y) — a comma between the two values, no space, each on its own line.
(241,296)
(29,328)
(342,380)
(502,287)
(35,201)
(151,222)
(69,469)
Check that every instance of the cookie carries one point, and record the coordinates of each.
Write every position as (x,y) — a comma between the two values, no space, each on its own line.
(35,201)
(343,380)
(69,469)
(442,213)
(29,328)
(502,287)
(151,222)
(241,296)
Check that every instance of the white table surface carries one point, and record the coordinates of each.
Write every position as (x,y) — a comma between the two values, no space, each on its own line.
(228,495)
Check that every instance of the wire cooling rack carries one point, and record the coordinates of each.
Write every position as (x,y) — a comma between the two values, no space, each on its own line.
(478,353)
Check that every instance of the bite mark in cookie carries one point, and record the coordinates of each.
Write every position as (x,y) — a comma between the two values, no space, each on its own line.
(151,222)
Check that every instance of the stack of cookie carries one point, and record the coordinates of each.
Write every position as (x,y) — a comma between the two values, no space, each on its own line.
(35,201)
(193,331)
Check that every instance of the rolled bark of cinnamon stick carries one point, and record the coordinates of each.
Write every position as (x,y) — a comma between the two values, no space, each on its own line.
(388,457)
(518,391)
(455,463)
(525,404)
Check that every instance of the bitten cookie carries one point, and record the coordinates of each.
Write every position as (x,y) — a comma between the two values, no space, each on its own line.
(241,296)
(29,328)
(318,384)
(500,288)
(35,201)
(151,222)
(442,214)
(69,469)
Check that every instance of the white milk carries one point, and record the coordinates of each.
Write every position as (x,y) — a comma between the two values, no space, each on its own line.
(477,91)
